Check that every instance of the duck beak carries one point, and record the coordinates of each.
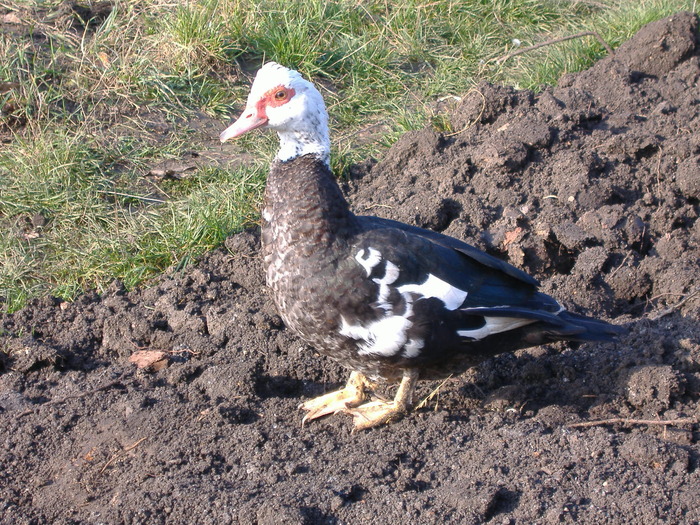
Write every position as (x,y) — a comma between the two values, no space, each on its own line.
(250,119)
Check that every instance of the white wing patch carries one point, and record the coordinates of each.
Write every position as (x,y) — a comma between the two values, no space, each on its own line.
(373,259)
(413,347)
(390,275)
(439,289)
(495,325)
(388,335)
(383,337)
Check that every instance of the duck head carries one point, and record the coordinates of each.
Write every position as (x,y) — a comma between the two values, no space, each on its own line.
(282,100)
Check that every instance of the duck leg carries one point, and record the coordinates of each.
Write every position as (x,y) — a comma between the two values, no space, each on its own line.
(378,412)
(354,394)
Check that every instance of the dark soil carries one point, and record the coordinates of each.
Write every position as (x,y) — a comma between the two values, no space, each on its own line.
(592,186)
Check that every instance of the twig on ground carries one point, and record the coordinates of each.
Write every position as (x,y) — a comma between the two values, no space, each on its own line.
(620,266)
(121,453)
(478,117)
(676,306)
(625,421)
(432,394)
(130,196)
(556,41)
(649,300)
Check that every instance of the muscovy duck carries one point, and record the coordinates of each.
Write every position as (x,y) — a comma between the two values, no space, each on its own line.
(387,300)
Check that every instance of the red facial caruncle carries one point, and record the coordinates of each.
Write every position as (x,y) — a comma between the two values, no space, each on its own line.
(273,98)
(256,116)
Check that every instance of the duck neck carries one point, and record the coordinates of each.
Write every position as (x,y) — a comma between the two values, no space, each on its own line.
(298,143)
(304,206)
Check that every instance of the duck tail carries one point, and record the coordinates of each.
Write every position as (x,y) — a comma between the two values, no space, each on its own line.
(585,328)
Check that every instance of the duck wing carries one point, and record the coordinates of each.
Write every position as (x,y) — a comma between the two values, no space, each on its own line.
(479,295)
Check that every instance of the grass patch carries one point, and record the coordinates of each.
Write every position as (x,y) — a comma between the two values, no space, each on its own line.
(93,95)
(68,218)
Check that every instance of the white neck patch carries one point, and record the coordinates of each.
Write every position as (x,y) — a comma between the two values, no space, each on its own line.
(295,144)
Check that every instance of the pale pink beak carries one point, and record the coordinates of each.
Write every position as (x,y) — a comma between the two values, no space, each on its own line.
(246,122)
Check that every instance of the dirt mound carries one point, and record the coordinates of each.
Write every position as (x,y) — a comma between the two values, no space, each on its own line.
(592,186)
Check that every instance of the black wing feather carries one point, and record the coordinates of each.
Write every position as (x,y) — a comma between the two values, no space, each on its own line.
(454,244)
(495,288)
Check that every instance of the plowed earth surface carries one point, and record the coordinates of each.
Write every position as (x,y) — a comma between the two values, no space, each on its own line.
(591,186)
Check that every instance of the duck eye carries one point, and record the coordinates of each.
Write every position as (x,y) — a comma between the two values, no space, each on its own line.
(280,95)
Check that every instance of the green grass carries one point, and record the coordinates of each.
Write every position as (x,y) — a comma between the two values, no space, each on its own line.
(88,108)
